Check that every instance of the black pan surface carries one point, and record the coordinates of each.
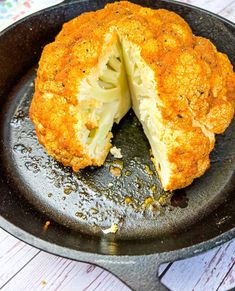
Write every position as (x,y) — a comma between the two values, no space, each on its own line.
(35,188)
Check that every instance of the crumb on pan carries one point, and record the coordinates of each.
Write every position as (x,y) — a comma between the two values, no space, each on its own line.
(43,282)
(112,229)
(116,152)
(46,225)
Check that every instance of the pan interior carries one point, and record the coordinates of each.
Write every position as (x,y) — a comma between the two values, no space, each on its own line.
(124,192)
(35,188)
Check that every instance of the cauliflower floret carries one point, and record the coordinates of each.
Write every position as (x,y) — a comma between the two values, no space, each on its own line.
(181,89)
(116,152)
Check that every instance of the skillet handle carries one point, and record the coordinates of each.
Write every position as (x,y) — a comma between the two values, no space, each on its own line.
(139,273)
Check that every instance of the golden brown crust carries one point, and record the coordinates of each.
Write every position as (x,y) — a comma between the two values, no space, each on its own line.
(195,84)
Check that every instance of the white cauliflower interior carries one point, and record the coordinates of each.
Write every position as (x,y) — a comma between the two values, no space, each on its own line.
(105,97)
(121,77)
(145,101)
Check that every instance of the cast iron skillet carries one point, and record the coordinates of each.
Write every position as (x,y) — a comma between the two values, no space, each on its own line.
(35,189)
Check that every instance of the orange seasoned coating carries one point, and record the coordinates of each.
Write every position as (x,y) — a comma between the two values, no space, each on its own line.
(195,86)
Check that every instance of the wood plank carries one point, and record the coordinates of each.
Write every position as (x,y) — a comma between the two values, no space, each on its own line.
(179,276)
(21,10)
(229,12)
(218,268)
(14,255)
(229,280)
(212,5)
(49,272)
(204,272)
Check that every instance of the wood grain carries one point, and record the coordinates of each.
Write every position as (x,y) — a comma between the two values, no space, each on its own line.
(212,5)
(204,272)
(14,255)
(229,280)
(217,269)
(229,12)
(49,272)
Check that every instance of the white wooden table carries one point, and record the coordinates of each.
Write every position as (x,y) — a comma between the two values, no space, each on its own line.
(23,267)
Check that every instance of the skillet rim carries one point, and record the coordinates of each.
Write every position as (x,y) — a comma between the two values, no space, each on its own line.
(90,257)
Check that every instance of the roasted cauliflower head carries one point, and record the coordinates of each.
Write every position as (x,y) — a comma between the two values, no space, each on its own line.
(102,63)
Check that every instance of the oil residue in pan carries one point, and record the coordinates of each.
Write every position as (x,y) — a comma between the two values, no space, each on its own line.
(102,196)
(124,192)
